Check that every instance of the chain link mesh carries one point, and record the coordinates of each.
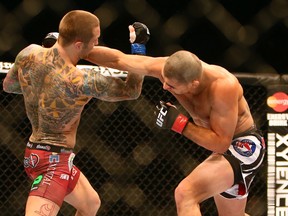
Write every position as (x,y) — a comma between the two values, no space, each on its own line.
(133,165)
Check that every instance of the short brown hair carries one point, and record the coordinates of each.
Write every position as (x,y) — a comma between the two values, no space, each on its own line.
(77,25)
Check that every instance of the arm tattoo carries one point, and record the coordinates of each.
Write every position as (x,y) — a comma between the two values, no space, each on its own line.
(111,88)
(12,84)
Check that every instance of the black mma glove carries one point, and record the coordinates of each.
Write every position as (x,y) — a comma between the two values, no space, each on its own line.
(50,39)
(168,117)
(139,36)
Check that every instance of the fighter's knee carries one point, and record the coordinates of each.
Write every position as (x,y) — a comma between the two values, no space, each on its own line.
(95,202)
(179,193)
(91,206)
(184,192)
(186,199)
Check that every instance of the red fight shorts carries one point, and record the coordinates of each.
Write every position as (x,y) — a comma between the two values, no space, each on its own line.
(52,170)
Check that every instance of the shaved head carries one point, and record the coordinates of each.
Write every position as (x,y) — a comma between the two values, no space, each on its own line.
(77,25)
(183,66)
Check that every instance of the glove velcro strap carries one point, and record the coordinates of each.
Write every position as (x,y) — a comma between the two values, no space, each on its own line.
(180,123)
(137,48)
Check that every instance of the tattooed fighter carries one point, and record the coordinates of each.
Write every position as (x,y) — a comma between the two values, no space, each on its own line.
(55,92)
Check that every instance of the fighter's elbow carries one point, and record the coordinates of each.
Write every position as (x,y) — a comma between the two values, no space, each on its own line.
(6,88)
(220,150)
(4,85)
(134,90)
(134,95)
(223,147)
(11,89)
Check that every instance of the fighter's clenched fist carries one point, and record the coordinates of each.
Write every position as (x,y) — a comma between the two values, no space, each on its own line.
(169,117)
(139,36)
(50,39)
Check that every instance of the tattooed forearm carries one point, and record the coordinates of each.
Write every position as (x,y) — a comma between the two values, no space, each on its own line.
(111,88)
(94,84)
(134,84)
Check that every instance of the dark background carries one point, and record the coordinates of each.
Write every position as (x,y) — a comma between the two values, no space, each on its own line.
(241,35)
(137,160)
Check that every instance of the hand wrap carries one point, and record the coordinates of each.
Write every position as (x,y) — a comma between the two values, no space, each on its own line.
(139,36)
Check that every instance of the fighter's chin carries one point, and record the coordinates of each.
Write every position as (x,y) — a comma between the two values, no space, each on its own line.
(172,92)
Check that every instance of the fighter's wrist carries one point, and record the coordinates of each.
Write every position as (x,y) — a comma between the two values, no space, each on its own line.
(180,123)
(139,49)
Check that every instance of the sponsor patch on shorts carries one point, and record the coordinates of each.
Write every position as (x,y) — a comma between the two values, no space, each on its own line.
(244,147)
(31,161)
(36,182)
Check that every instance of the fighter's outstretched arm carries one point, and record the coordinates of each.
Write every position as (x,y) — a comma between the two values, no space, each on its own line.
(139,36)
(113,58)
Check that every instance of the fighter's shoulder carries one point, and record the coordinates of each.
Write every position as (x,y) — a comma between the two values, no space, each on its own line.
(227,80)
(32,48)
(223,80)
(222,74)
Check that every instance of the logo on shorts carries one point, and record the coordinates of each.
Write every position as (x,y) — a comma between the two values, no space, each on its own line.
(43,147)
(70,161)
(73,173)
(36,182)
(31,161)
(244,147)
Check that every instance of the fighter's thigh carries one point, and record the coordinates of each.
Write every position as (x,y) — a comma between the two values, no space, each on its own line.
(211,177)
(228,207)
(40,206)
(83,194)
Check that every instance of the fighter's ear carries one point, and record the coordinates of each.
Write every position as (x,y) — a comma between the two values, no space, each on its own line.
(78,45)
(194,84)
